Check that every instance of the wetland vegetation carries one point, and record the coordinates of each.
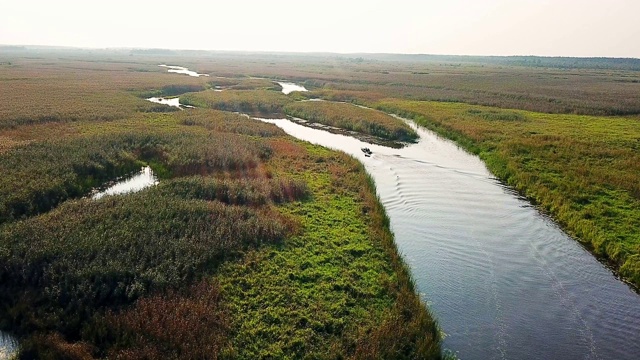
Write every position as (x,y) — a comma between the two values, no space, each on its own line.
(252,244)
(257,102)
(354,118)
(255,245)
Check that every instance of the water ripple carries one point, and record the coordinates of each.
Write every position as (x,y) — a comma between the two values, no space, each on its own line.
(503,280)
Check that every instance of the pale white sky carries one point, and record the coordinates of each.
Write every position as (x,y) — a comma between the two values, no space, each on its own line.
(471,27)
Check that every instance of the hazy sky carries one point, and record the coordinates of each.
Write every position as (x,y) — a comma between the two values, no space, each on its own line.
(473,27)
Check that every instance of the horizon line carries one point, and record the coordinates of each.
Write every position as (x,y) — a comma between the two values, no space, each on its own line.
(72,47)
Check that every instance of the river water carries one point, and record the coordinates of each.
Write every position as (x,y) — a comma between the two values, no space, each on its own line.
(502,279)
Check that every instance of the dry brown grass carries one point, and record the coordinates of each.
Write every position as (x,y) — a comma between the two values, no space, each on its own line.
(188,325)
(354,118)
(259,102)
(52,90)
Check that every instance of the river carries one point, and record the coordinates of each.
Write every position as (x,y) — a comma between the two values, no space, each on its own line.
(502,279)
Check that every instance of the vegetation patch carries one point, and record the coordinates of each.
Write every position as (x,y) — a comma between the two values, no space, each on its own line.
(71,168)
(170,90)
(226,122)
(65,271)
(498,115)
(244,84)
(354,118)
(336,289)
(49,89)
(259,102)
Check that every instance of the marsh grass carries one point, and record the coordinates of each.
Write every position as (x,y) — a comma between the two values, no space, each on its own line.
(79,258)
(251,244)
(354,118)
(607,89)
(50,89)
(225,122)
(191,324)
(259,102)
(336,289)
(244,84)
(41,175)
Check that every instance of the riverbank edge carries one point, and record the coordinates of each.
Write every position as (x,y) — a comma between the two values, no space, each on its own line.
(497,166)
(431,343)
(404,330)
(356,119)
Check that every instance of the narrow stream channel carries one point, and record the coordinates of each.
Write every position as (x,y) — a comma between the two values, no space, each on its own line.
(503,280)
(182,70)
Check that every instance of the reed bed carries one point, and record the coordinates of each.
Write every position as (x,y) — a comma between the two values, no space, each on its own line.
(259,102)
(354,118)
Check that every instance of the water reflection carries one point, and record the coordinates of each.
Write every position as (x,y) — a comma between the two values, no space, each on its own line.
(169,101)
(137,182)
(182,70)
(288,87)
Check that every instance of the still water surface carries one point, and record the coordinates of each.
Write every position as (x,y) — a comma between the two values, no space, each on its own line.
(502,279)
(143,179)
(182,70)
(288,87)
(175,102)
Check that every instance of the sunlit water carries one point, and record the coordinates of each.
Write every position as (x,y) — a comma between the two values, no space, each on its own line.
(503,280)
(8,346)
(182,70)
(137,182)
(169,101)
(288,87)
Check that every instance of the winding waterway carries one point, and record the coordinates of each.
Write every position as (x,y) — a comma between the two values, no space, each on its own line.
(502,279)
(182,70)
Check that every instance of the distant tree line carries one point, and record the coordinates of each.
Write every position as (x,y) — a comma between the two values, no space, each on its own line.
(532,61)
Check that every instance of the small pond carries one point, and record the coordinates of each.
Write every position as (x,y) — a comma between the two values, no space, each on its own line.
(143,179)
(169,101)
(288,87)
